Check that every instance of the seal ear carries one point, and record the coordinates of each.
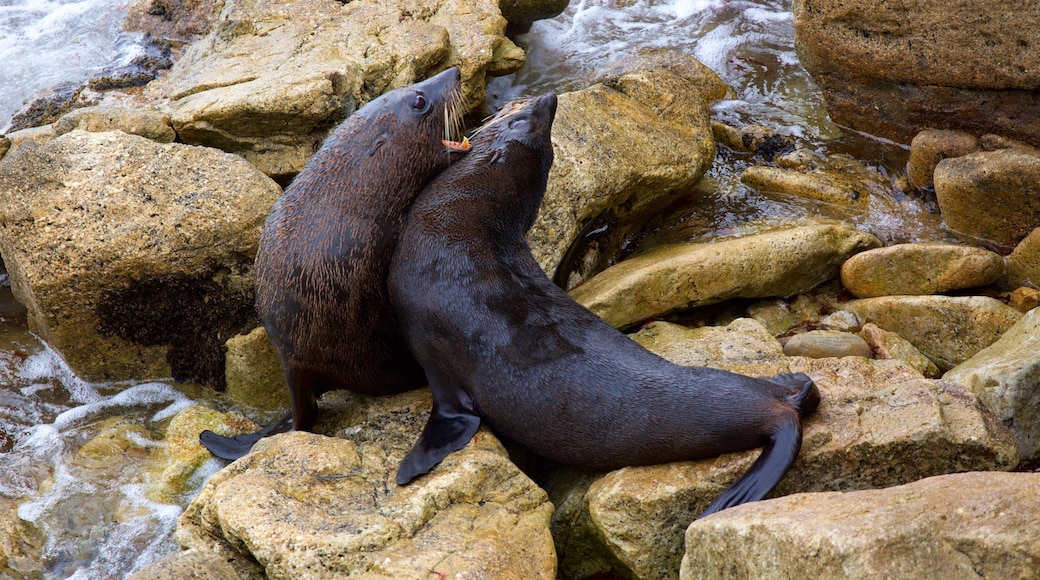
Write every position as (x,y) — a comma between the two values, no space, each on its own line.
(451,425)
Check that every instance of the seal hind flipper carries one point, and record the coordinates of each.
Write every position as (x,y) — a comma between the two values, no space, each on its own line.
(451,425)
(232,448)
(770,467)
(807,397)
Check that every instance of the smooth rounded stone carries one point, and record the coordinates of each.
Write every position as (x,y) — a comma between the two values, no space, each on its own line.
(931,146)
(894,69)
(827,343)
(947,329)
(1005,377)
(307,505)
(191,565)
(838,180)
(133,258)
(965,525)
(991,142)
(889,345)
(524,12)
(624,149)
(1023,264)
(269,83)
(920,268)
(1024,299)
(670,278)
(149,124)
(879,424)
(989,197)
(254,372)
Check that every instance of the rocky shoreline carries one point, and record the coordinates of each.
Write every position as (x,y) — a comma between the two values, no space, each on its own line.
(129,228)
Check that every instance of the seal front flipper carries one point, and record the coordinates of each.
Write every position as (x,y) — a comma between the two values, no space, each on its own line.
(232,448)
(452,423)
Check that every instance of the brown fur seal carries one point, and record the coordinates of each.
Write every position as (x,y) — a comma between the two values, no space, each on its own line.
(501,343)
(326,247)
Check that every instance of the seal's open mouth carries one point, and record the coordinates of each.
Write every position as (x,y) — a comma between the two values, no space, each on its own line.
(453,125)
(457,145)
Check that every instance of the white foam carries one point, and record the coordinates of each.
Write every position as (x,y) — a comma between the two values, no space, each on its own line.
(135,396)
(47,364)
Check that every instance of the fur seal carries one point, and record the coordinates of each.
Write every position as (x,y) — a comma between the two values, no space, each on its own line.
(326,246)
(501,343)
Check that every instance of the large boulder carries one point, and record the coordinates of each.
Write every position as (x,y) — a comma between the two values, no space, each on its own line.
(895,68)
(968,525)
(269,83)
(920,268)
(133,258)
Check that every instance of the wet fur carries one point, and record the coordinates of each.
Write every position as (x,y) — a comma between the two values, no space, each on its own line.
(501,343)
(325,253)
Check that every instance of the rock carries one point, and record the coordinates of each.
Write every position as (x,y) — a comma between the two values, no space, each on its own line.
(1024,299)
(191,565)
(21,543)
(827,343)
(948,330)
(269,83)
(879,424)
(1005,376)
(133,258)
(931,146)
(5,146)
(1023,264)
(177,21)
(950,526)
(894,69)
(671,278)
(838,180)
(989,197)
(920,268)
(254,372)
(624,149)
(521,13)
(991,142)
(49,106)
(304,504)
(756,139)
(889,345)
(33,135)
(149,124)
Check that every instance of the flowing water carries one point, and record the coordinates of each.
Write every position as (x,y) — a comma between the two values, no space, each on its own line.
(58,432)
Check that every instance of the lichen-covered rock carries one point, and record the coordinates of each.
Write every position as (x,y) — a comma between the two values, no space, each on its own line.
(670,278)
(952,526)
(192,565)
(990,197)
(254,372)
(307,505)
(150,124)
(268,83)
(895,68)
(920,268)
(931,146)
(1005,376)
(133,258)
(947,329)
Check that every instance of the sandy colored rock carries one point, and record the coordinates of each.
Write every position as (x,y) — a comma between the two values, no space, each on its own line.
(149,124)
(826,343)
(894,69)
(303,504)
(920,268)
(254,372)
(1005,376)
(190,565)
(947,329)
(133,258)
(5,146)
(756,139)
(931,146)
(889,345)
(176,21)
(951,526)
(268,83)
(21,543)
(18,138)
(1023,264)
(624,149)
(990,197)
(1024,299)
(837,180)
(670,278)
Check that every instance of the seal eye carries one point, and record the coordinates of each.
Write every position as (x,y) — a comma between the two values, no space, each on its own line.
(419,104)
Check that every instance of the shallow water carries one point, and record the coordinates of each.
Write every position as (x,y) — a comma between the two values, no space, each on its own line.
(96,519)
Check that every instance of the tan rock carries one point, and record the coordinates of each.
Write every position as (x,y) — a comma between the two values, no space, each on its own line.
(192,565)
(1005,376)
(21,543)
(838,180)
(176,21)
(894,69)
(303,504)
(889,345)
(826,343)
(990,197)
(1024,299)
(931,146)
(1023,264)
(5,146)
(254,372)
(40,134)
(523,12)
(752,139)
(948,330)
(920,268)
(670,278)
(951,526)
(149,124)
(268,83)
(624,149)
(133,258)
